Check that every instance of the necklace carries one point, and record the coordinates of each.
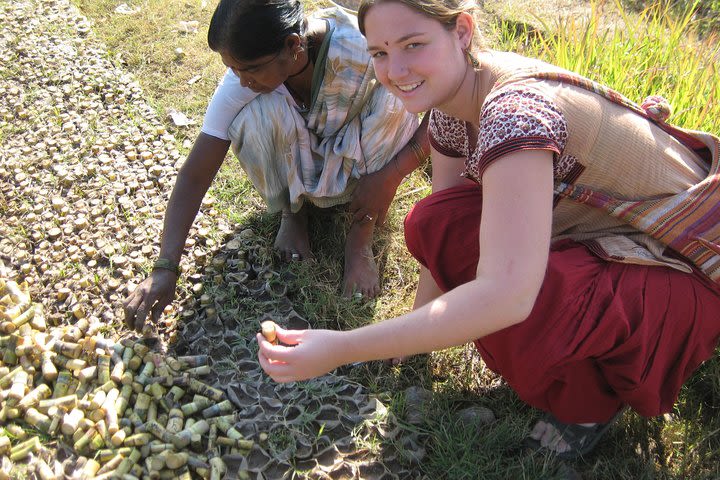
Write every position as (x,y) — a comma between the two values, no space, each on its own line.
(297,97)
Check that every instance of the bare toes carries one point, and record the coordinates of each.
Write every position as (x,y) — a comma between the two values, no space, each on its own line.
(538,430)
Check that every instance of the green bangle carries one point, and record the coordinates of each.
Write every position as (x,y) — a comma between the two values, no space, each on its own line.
(165,264)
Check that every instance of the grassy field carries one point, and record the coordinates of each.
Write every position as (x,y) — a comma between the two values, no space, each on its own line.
(657,51)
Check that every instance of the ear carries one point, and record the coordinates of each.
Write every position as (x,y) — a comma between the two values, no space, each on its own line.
(293,42)
(465,29)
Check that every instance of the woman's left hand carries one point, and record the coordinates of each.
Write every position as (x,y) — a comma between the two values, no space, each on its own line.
(301,354)
(372,196)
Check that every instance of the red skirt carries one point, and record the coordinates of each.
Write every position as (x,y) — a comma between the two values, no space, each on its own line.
(601,335)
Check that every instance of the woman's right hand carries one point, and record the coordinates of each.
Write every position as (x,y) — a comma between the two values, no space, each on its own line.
(151,296)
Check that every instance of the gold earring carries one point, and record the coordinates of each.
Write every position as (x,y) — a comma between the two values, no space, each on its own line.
(471,59)
(295,57)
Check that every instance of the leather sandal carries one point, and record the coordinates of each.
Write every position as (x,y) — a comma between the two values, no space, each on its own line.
(581,440)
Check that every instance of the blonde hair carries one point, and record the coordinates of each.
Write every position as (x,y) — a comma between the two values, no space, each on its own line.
(444,11)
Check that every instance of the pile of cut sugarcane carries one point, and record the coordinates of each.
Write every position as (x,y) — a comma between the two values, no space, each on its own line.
(127,412)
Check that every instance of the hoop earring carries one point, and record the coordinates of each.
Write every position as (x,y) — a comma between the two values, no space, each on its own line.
(474,63)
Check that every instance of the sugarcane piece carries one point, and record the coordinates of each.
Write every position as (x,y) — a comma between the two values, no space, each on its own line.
(118,438)
(69,349)
(134,363)
(90,469)
(172,397)
(43,470)
(109,464)
(73,386)
(198,371)
(145,373)
(97,399)
(182,439)
(7,380)
(188,361)
(155,390)
(4,444)
(37,420)
(156,462)
(137,440)
(241,443)
(175,420)
(199,403)
(83,440)
(49,370)
(152,412)
(175,460)
(212,437)
(269,332)
(71,421)
(217,468)
(16,431)
(107,455)
(56,415)
(40,392)
(73,364)
(142,403)
(97,441)
(111,415)
(18,293)
(199,387)
(218,409)
(159,431)
(227,428)
(103,365)
(18,389)
(61,384)
(101,428)
(118,371)
(180,474)
(22,450)
(127,463)
(38,320)
(8,412)
(68,402)
(25,346)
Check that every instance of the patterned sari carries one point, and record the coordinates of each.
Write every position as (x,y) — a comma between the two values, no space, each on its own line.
(353,127)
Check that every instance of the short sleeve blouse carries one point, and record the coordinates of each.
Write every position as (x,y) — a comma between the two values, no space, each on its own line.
(513,118)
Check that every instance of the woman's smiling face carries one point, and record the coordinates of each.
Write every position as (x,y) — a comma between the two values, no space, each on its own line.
(416,58)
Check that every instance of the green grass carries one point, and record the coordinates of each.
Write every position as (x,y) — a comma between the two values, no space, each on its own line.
(659,50)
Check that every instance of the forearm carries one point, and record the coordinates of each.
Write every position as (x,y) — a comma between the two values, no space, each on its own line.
(182,208)
(193,182)
(408,158)
(442,323)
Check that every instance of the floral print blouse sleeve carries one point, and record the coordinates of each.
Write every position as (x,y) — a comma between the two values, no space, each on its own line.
(515,118)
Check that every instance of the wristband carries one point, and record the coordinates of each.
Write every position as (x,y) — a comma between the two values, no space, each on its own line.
(165,264)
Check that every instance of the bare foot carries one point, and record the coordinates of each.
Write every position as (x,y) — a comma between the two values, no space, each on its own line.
(292,239)
(550,438)
(361,272)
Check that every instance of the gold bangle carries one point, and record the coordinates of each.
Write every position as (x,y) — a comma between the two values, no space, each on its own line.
(418,151)
(165,264)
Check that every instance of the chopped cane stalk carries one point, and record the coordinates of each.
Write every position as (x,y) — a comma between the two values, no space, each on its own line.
(130,412)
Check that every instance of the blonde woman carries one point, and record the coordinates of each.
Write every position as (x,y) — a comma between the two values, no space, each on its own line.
(572,235)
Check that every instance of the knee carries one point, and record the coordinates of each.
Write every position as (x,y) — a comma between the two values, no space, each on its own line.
(418,221)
